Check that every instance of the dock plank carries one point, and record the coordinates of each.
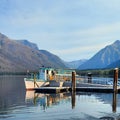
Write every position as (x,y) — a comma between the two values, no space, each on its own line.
(81,88)
(52,89)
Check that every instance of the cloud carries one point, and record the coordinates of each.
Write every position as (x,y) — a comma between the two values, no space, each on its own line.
(88,42)
(81,52)
(70,29)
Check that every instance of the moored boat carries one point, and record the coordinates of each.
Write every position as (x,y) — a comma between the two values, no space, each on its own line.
(48,77)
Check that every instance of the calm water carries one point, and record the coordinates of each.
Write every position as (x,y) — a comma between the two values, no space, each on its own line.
(17,104)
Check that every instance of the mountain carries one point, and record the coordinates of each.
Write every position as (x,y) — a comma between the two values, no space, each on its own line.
(115,64)
(16,56)
(104,57)
(53,58)
(75,64)
(27,43)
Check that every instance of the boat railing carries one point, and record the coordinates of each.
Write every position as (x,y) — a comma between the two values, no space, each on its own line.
(108,80)
(63,77)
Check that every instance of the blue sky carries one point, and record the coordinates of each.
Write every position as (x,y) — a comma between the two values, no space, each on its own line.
(71,29)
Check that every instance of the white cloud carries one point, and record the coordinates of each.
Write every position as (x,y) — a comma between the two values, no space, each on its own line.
(70,29)
(80,52)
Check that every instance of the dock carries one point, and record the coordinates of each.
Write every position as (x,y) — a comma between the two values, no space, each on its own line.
(102,89)
(56,87)
(52,89)
(97,89)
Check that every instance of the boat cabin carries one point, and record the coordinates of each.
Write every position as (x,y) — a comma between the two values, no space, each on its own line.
(46,74)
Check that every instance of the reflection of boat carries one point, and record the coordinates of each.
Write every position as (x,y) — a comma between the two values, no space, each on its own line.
(45,100)
(32,95)
(48,101)
(46,76)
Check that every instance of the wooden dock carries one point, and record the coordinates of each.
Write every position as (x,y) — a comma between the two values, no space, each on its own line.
(100,89)
(97,89)
(52,89)
(89,87)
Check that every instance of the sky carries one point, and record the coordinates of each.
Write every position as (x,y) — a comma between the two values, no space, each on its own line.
(70,29)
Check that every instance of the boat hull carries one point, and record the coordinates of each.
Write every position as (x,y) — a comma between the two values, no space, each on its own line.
(29,85)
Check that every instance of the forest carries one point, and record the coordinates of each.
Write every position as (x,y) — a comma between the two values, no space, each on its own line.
(98,72)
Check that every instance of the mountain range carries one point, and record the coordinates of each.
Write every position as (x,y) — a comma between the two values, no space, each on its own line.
(22,55)
(75,64)
(108,57)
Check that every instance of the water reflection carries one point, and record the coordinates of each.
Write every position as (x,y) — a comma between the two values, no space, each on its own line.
(12,94)
(16,103)
(114,102)
(73,99)
(47,100)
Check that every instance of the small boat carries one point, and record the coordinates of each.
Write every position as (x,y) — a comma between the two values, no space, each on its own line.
(48,77)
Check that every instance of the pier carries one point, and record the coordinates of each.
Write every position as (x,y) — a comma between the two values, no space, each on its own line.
(54,86)
(85,88)
(52,89)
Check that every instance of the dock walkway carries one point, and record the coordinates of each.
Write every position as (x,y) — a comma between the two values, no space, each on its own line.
(52,89)
(81,88)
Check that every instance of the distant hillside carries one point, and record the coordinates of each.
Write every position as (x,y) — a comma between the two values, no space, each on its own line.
(53,58)
(75,64)
(115,64)
(27,43)
(104,57)
(20,56)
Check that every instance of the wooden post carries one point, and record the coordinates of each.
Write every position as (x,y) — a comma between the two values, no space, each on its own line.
(73,89)
(89,77)
(73,99)
(34,79)
(73,81)
(114,102)
(35,83)
(115,79)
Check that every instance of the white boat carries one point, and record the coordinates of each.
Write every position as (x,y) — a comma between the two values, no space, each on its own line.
(30,84)
(48,77)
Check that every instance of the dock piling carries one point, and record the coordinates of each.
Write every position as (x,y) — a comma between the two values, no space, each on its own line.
(35,83)
(115,79)
(89,77)
(73,81)
(114,102)
(34,79)
(73,99)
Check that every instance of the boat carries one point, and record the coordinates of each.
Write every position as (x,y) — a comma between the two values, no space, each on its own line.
(47,76)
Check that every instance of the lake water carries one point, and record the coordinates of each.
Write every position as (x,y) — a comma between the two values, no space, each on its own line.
(17,104)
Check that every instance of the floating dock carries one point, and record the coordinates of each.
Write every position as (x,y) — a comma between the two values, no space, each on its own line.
(52,89)
(82,87)
(97,89)
(102,89)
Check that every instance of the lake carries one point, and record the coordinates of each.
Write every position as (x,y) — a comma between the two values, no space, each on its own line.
(18,104)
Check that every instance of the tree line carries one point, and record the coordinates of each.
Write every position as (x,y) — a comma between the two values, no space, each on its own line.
(98,72)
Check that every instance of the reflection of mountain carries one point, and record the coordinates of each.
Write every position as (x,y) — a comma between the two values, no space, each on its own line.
(49,100)
(103,97)
(12,93)
(108,98)
(53,99)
